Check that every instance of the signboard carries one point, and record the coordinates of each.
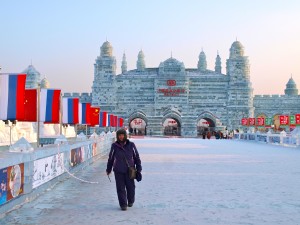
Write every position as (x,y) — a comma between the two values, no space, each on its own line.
(244,121)
(292,120)
(260,121)
(171,82)
(47,168)
(171,92)
(11,182)
(284,120)
(297,118)
(268,122)
(251,121)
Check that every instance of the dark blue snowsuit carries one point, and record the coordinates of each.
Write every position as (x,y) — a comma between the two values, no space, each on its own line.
(125,185)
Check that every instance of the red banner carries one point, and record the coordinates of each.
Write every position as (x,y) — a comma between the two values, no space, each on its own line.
(244,121)
(260,121)
(297,116)
(284,120)
(251,121)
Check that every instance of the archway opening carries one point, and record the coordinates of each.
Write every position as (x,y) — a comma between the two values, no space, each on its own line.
(137,126)
(205,125)
(172,127)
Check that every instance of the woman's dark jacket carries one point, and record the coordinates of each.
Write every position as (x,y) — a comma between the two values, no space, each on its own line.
(116,158)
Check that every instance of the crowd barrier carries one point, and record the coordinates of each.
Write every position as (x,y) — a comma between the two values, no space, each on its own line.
(278,139)
(24,176)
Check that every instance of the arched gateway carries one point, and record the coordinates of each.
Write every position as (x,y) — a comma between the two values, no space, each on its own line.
(206,121)
(137,123)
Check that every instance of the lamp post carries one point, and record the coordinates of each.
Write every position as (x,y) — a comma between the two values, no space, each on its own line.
(10,124)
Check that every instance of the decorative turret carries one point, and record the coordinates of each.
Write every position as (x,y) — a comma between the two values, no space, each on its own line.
(106,62)
(124,64)
(236,50)
(202,64)
(45,83)
(106,49)
(291,87)
(33,77)
(140,64)
(218,66)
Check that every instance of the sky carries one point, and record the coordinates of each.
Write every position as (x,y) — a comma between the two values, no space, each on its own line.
(62,39)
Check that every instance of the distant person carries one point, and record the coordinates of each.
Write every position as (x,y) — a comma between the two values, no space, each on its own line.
(125,186)
(208,135)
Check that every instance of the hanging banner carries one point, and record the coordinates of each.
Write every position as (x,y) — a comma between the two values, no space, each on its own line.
(260,122)
(251,121)
(244,121)
(292,121)
(77,156)
(284,120)
(268,122)
(297,118)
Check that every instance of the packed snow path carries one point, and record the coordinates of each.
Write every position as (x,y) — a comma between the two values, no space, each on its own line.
(185,181)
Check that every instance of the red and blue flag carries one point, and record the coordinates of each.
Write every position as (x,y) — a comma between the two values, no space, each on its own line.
(70,111)
(103,121)
(12,94)
(84,113)
(50,105)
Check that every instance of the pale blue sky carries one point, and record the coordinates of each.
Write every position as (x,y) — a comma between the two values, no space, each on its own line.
(63,38)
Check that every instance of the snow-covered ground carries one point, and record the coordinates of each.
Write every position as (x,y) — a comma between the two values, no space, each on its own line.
(185,181)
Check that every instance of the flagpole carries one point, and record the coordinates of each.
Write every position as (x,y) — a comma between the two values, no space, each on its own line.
(60,114)
(38,114)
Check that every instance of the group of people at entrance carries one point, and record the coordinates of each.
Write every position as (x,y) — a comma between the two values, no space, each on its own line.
(217,135)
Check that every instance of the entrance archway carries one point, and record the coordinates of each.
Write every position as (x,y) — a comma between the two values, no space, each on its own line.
(137,126)
(172,127)
(204,125)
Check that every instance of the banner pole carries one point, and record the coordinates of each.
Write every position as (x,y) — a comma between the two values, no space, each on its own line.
(60,114)
(38,114)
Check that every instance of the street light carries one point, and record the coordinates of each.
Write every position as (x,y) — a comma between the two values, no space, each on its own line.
(10,125)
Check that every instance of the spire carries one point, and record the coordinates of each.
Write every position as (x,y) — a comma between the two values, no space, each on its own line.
(124,64)
(140,64)
(218,64)
(202,64)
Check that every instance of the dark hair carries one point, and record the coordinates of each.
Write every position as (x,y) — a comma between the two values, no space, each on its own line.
(121,131)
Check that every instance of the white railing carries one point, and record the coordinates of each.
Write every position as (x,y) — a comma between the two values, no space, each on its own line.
(282,138)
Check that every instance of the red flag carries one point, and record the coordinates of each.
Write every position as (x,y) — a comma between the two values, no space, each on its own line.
(30,104)
(121,122)
(115,121)
(94,116)
(112,120)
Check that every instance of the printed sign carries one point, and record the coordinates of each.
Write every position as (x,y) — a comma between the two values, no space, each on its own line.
(11,182)
(260,121)
(297,117)
(244,121)
(251,121)
(292,120)
(268,122)
(284,120)
(47,168)
(77,156)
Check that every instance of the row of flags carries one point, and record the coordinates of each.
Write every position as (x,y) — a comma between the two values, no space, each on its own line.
(18,103)
(284,120)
